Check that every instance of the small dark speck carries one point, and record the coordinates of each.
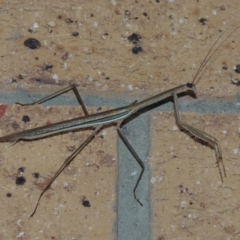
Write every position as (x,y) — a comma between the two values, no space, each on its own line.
(236,82)
(71,148)
(59,17)
(69,20)
(127,13)
(99,109)
(25,119)
(8,194)
(117,11)
(145,14)
(21,170)
(107,78)
(222,8)
(47,67)
(75,34)
(134,38)
(20,180)
(15,125)
(65,56)
(191,203)
(203,21)
(224,68)
(86,203)
(14,80)
(36,175)
(137,50)
(20,76)
(38,79)
(157,1)
(237,68)
(36,58)
(32,43)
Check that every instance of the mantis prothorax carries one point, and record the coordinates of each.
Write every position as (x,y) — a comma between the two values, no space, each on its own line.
(117,116)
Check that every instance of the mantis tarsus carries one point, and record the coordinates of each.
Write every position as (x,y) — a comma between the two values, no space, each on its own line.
(117,116)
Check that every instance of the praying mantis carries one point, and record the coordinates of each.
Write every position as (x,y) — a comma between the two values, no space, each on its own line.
(116,117)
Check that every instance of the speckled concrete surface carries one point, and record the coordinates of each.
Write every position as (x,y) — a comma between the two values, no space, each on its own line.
(187,199)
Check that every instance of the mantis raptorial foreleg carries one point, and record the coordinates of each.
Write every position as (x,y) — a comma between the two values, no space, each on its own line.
(199,135)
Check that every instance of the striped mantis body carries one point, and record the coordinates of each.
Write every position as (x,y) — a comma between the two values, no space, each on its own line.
(117,116)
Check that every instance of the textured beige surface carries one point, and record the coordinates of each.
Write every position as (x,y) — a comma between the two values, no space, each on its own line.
(173,40)
(174,44)
(61,214)
(189,201)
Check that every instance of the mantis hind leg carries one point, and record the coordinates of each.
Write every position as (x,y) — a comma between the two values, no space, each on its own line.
(65,164)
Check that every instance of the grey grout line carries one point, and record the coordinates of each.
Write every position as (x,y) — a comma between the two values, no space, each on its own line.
(133,221)
(187,104)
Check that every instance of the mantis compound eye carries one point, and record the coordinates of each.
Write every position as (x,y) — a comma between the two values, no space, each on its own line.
(190,85)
